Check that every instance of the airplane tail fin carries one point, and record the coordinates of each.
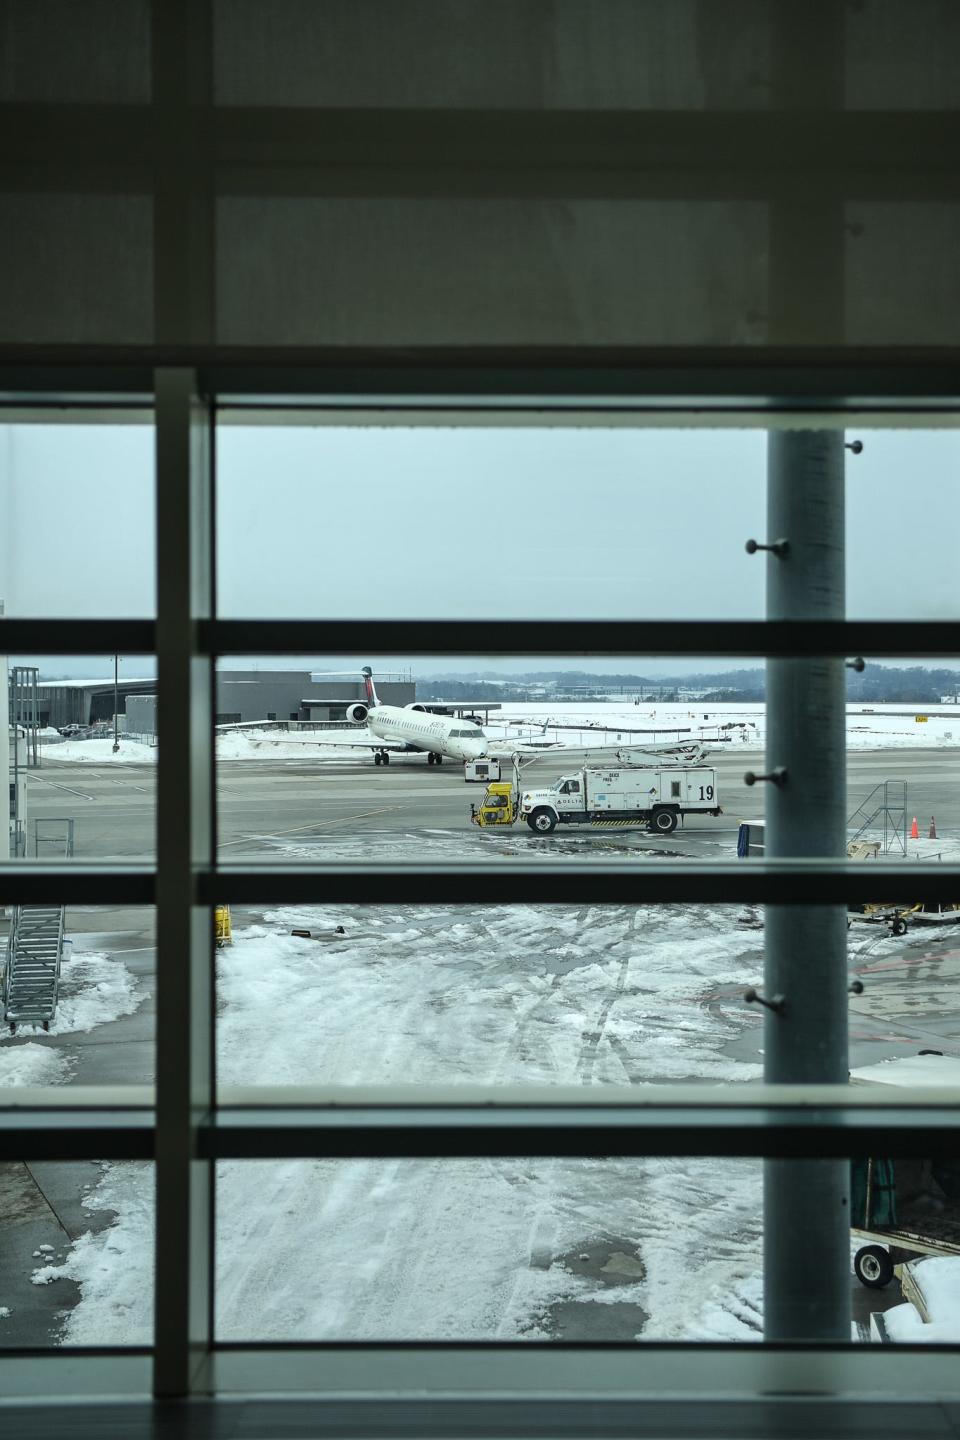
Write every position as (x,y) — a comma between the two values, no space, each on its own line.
(369,687)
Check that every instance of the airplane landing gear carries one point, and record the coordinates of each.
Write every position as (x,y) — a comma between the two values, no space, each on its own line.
(381,757)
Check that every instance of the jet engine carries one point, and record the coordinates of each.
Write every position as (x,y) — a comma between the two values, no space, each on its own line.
(358,713)
(415,705)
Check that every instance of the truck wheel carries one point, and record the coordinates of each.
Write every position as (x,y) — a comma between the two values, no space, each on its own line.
(664,821)
(542,822)
(873,1267)
(899,926)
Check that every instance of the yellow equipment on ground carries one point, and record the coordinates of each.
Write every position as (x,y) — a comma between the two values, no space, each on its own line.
(497,807)
(223,926)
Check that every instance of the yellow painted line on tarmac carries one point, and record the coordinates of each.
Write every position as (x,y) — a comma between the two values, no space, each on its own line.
(317,825)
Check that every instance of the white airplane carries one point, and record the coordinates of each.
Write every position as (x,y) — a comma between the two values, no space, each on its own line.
(407,729)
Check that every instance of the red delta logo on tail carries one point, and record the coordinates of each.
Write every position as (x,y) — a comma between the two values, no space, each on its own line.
(358,712)
(369,688)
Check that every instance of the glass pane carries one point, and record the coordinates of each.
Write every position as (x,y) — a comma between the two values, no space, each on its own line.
(83,764)
(394,775)
(489,1249)
(903,509)
(509,523)
(601,1250)
(76,1262)
(56,52)
(500,994)
(77,521)
(637,56)
(79,996)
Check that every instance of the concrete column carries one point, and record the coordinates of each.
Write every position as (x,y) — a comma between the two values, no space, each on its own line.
(806,1202)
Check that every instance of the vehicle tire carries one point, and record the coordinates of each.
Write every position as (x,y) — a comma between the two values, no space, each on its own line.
(438,759)
(899,926)
(386,757)
(664,822)
(873,1267)
(542,822)
(377,758)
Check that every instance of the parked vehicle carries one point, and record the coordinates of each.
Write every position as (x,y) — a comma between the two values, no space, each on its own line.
(658,796)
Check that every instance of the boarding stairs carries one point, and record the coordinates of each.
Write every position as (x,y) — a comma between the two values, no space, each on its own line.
(886,803)
(32,975)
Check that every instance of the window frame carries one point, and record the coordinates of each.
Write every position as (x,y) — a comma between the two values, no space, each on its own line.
(182,1127)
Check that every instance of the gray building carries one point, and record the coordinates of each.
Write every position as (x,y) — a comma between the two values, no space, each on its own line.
(250,695)
(247,696)
(85,702)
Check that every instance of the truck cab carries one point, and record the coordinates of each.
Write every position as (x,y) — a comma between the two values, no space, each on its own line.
(544,809)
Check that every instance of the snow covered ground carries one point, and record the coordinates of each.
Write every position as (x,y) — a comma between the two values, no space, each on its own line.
(100,752)
(470,1249)
(577,725)
(94,989)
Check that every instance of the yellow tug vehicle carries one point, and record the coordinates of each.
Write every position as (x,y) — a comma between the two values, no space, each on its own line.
(498,806)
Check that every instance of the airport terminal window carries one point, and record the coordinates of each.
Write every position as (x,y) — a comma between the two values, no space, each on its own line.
(544,994)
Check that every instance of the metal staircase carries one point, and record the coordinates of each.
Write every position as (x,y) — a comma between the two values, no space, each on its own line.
(886,802)
(31,975)
(31,979)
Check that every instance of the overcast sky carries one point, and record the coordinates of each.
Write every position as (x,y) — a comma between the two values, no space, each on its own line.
(480,523)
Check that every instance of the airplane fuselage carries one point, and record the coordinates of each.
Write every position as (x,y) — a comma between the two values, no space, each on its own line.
(439,734)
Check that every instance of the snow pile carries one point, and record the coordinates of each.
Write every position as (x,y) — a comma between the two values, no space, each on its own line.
(939,1279)
(100,752)
(94,989)
(31,1064)
(115,1266)
(912,1070)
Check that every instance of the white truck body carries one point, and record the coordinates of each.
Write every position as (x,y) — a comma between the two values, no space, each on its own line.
(659,795)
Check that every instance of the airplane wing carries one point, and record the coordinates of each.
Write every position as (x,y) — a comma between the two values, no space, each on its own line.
(347,742)
(523,747)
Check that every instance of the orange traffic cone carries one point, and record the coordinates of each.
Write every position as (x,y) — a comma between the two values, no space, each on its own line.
(914,830)
(933,829)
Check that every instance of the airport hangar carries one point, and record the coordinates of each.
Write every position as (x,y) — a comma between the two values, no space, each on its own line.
(243,697)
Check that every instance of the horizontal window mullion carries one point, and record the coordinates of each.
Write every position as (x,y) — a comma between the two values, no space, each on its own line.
(803,882)
(77,637)
(465,1132)
(27,1134)
(881,380)
(735,638)
(25,883)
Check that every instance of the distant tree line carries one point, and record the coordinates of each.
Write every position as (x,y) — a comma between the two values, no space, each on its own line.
(879,684)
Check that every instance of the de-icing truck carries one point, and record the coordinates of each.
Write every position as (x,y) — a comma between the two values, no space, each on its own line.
(655,795)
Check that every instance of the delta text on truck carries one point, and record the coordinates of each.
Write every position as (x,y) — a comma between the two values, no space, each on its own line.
(657,795)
